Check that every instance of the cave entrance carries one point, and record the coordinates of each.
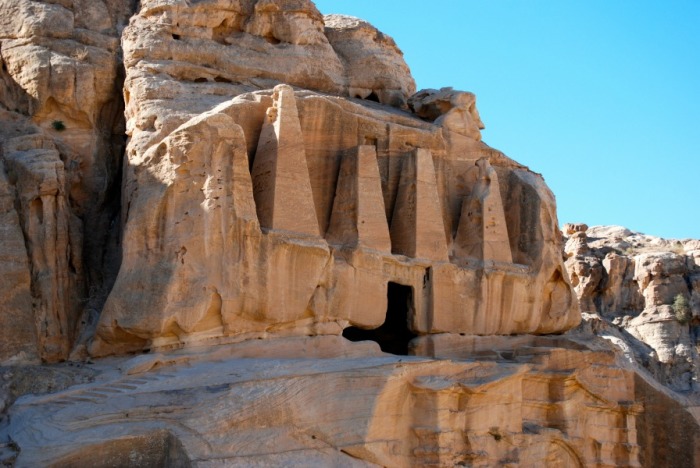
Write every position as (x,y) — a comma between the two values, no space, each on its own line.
(372,97)
(393,335)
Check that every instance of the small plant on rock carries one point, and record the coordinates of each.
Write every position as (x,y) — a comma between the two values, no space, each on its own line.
(681,309)
(58,125)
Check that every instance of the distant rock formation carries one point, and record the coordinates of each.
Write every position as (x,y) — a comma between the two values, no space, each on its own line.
(627,284)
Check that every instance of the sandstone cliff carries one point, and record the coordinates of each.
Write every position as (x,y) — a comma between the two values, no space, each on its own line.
(249,210)
(317,265)
(61,128)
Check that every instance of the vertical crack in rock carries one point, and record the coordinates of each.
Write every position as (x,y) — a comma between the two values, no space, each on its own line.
(102,247)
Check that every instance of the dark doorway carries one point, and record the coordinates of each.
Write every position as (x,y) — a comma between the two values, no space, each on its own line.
(393,335)
(373,97)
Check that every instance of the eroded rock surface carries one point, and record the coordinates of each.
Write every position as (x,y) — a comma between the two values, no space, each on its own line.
(314,264)
(17,329)
(61,139)
(259,242)
(631,281)
(455,110)
(525,401)
(374,65)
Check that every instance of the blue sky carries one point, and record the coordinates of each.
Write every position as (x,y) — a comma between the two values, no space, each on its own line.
(600,97)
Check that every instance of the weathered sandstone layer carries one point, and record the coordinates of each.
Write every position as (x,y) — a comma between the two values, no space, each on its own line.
(61,137)
(469,401)
(266,213)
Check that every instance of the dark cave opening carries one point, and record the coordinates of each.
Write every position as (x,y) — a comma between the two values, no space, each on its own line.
(394,334)
(373,97)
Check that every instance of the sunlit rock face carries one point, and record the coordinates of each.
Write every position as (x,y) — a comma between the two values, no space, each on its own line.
(326,401)
(644,291)
(316,265)
(270,210)
(278,162)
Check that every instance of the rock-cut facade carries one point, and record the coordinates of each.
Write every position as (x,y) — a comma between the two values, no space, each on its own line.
(250,241)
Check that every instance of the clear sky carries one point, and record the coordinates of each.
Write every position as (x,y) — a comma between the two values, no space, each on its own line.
(601,97)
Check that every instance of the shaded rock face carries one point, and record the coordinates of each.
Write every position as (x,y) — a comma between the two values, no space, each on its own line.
(631,281)
(61,143)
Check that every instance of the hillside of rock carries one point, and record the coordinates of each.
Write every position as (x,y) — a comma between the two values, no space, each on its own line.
(275,164)
(62,134)
(644,291)
(233,234)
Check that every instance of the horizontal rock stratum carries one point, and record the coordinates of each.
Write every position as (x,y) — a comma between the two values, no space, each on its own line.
(314,263)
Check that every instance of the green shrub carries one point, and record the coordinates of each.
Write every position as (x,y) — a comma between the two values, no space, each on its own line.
(681,309)
(58,125)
